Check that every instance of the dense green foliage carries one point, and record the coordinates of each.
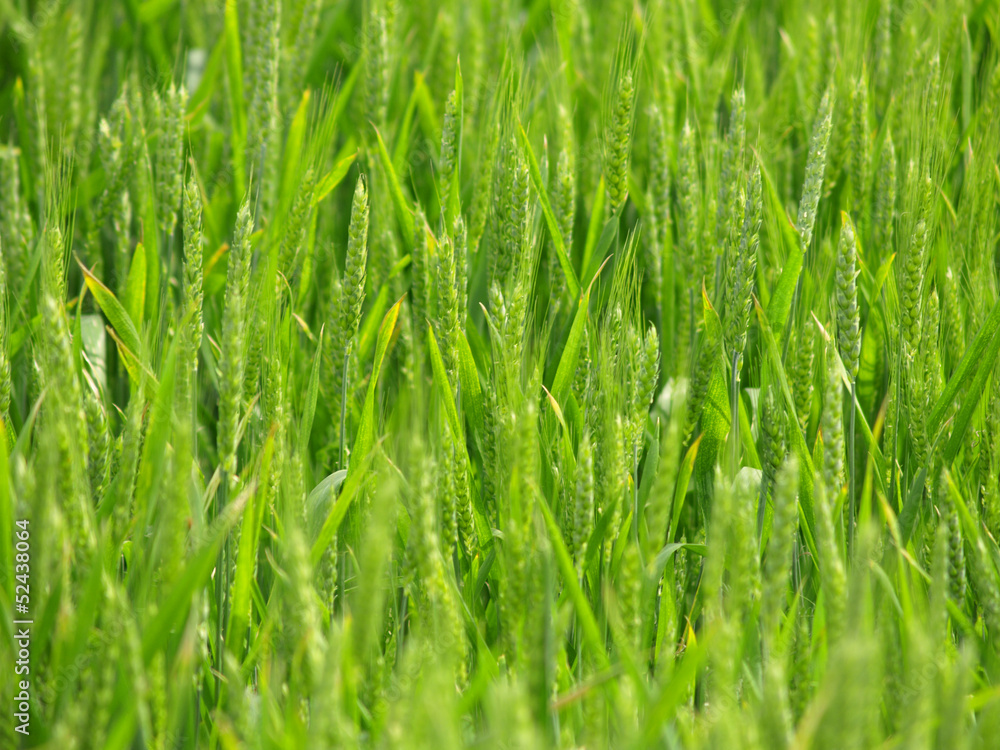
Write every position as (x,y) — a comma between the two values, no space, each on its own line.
(519,374)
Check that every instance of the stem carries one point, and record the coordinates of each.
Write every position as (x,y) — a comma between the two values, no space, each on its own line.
(734,400)
(343,403)
(851,470)
(635,497)
(221,589)
(761,505)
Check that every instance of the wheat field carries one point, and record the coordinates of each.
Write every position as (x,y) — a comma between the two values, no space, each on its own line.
(516,374)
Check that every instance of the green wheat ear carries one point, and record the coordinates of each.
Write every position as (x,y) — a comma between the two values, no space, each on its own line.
(234,329)
(739,298)
(860,148)
(815,167)
(848,316)
(620,141)
(193,262)
(169,155)
(732,171)
(884,216)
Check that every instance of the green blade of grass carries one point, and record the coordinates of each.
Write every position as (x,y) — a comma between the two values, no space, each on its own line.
(781,298)
(246,554)
(444,387)
(348,491)
(472,391)
(134,297)
(594,226)
(332,178)
(116,314)
(312,394)
(570,357)
(403,213)
(591,631)
(807,473)
(680,491)
(555,235)
(292,161)
(973,396)
(237,109)
(977,359)
(156,633)
(366,429)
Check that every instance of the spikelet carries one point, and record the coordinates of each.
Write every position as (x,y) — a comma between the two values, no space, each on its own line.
(583,503)
(115,150)
(377,71)
(860,149)
(779,549)
(564,200)
(883,53)
(954,329)
(848,317)
(67,421)
(348,298)
(513,207)
(512,325)
(937,606)
(290,255)
(461,243)
(99,440)
(302,632)
(708,353)
(744,276)
(355,262)
(421,271)
(629,590)
(658,200)
(956,545)
(930,350)
(913,274)
(772,429)
(450,132)
(727,221)
(16,226)
(812,188)
(169,156)
(649,374)
(193,294)
(124,464)
(232,362)
(833,578)
(689,196)
(884,216)
(613,476)
(618,141)
(263,116)
(446,322)
(812,67)
(801,372)
(444,620)
(54,261)
(832,424)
